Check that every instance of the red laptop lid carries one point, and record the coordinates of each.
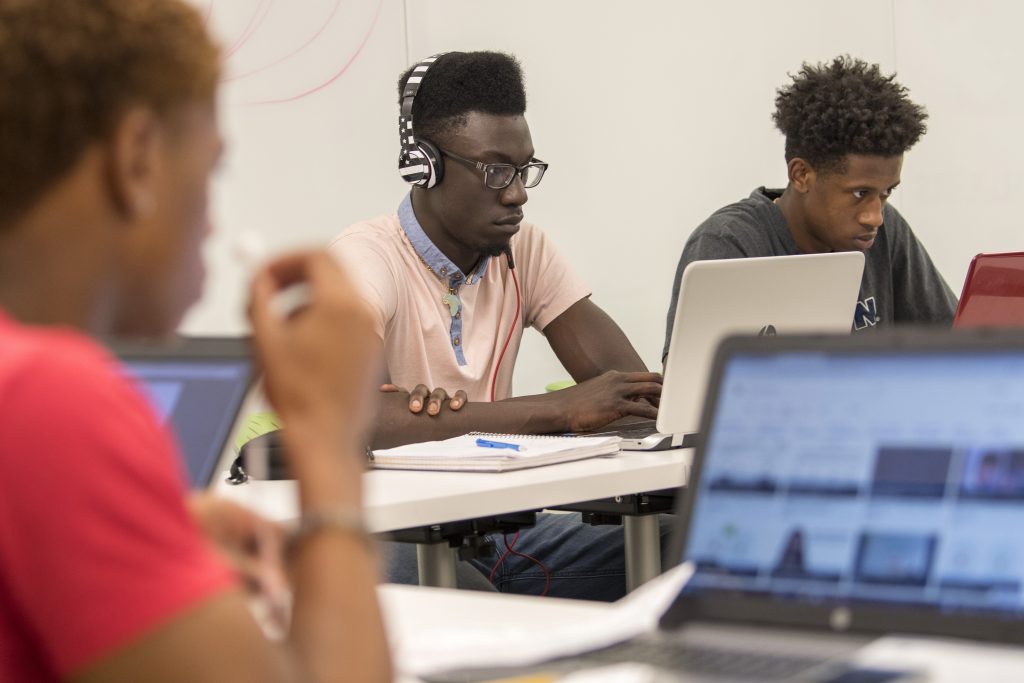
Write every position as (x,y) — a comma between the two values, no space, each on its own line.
(993,293)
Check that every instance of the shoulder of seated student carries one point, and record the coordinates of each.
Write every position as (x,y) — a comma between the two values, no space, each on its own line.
(46,363)
(376,235)
(720,240)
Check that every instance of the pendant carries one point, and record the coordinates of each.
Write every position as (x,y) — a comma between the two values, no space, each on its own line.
(452,301)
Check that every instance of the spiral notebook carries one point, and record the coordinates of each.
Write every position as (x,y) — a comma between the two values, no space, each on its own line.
(480,452)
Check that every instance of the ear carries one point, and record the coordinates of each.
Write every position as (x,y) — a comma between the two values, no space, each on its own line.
(134,157)
(802,175)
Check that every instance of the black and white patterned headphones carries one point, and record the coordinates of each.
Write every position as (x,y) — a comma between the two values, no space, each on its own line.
(419,162)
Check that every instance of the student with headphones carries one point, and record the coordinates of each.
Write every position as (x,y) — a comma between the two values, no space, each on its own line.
(453,278)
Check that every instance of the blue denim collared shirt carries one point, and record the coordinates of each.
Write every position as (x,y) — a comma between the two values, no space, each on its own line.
(448,274)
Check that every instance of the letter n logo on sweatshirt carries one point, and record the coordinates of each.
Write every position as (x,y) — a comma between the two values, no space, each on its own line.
(866,314)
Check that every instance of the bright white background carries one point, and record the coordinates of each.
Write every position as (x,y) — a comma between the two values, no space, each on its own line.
(652,113)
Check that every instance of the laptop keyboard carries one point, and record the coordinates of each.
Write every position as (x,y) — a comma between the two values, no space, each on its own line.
(701,659)
(637,430)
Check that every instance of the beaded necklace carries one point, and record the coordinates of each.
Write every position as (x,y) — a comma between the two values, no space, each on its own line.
(451,297)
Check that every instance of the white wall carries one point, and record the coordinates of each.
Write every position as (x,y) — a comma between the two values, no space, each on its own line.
(652,113)
(962,183)
(297,172)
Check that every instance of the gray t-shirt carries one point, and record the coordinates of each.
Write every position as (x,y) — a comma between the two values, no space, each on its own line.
(900,285)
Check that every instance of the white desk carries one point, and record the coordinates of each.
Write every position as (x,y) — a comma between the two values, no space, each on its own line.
(403,499)
(418,618)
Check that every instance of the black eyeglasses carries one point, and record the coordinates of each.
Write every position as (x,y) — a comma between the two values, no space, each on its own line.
(500,176)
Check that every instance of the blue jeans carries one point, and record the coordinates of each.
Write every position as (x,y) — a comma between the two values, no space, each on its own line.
(584,561)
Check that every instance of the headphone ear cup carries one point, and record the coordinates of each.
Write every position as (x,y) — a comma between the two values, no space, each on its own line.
(414,167)
(434,160)
(422,167)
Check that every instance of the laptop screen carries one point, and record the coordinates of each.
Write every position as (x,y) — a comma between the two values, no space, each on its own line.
(200,398)
(993,294)
(875,478)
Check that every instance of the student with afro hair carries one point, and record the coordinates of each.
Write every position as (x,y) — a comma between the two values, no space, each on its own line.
(847,127)
(453,278)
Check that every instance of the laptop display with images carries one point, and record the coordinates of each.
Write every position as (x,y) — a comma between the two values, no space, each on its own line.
(843,488)
(869,484)
(993,294)
(764,295)
(198,386)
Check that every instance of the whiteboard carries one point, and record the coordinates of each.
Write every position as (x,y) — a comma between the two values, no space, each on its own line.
(305,109)
(652,114)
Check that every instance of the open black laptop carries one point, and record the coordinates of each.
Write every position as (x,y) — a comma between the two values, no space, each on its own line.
(199,385)
(845,487)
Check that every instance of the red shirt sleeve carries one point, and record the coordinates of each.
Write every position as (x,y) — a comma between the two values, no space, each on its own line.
(96,545)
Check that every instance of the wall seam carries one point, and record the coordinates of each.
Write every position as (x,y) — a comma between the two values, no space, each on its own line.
(405,28)
(892,24)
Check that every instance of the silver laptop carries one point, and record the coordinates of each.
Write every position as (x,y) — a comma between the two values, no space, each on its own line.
(842,488)
(764,295)
(199,386)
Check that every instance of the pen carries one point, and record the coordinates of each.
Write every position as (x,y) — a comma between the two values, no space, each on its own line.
(487,443)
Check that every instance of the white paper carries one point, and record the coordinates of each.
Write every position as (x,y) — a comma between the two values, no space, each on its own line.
(616,673)
(519,644)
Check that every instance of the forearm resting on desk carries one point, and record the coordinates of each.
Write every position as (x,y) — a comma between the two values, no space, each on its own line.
(587,406)
(397,426)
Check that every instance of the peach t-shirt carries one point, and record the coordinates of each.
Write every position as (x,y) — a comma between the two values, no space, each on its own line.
(453,344)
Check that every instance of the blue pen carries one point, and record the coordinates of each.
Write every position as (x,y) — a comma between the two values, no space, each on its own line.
(487,443)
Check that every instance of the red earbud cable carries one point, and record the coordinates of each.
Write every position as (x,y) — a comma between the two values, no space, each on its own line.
(512,329)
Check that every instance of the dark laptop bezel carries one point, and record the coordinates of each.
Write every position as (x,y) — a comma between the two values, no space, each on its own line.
(185,347)
(835,616)
(195,349)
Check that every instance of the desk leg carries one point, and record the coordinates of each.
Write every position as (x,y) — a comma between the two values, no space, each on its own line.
(643,549)
(436,564)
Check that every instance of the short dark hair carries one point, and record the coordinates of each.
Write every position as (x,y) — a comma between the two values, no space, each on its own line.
(69,70)
(846,107)
(462,82)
